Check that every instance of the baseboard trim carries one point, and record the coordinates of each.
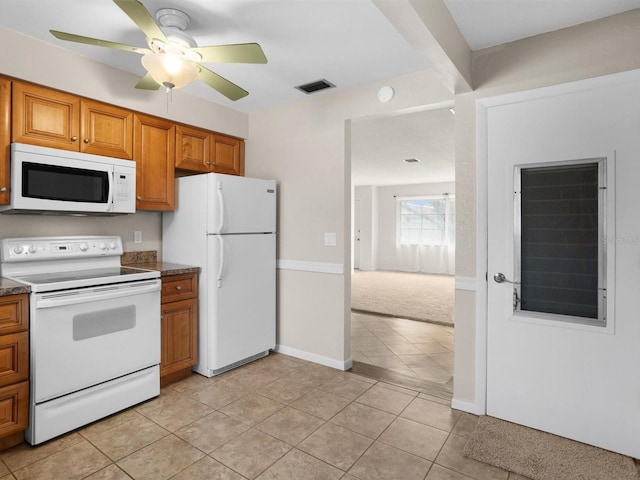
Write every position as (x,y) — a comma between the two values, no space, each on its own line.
(315,267)
(466,283)
(468,407)
(312,357)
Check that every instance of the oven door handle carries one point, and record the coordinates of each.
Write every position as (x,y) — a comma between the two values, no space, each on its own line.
(105,292)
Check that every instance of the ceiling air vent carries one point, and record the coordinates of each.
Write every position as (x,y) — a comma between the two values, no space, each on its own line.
(315,86)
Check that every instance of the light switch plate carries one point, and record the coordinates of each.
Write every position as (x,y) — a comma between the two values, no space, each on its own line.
(330,239)
(137,236)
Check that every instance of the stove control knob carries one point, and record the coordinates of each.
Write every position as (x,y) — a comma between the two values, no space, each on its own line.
(102,246)
(112,245)
(31,249)
(18,249)
(84,247)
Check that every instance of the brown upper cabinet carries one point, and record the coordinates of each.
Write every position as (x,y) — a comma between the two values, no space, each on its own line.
(193,149)
(42,116)
(50,118)
(154,153)
(5,140)
(201,151)
(228,154)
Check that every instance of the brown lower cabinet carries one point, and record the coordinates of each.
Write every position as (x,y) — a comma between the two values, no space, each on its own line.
(179,329)
(14,369)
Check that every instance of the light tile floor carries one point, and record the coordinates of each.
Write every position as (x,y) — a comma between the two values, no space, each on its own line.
(417,349)
(276,418)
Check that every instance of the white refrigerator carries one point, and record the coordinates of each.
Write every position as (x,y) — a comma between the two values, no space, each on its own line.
(226,225)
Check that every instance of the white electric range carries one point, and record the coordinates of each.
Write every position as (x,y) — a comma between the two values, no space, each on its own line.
(94,329)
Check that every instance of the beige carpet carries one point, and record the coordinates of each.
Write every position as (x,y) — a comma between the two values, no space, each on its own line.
(415,296)
(543,456)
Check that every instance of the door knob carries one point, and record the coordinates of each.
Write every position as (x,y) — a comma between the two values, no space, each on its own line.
(500,278)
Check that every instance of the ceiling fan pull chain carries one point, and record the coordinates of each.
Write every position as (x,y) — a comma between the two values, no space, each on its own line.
(169,97)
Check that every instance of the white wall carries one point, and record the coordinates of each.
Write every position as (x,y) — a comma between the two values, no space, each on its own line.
(304,146)
(34,61)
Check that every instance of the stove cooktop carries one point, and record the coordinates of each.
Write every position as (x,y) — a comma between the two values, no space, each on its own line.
(60,277)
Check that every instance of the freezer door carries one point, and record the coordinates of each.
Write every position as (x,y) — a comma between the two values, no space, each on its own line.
(241,298)
(240,204)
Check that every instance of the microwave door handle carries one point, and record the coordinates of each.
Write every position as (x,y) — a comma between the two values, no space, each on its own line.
(110,198)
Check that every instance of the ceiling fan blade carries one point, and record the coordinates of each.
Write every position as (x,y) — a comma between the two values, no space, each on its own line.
(221,84)
(70,37)
(147,83)
(239,53)
(141,17)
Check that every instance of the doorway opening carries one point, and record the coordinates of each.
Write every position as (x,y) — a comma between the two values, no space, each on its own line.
(403,248)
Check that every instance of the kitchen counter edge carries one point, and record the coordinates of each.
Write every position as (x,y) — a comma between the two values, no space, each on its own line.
(165,269)
(11,287)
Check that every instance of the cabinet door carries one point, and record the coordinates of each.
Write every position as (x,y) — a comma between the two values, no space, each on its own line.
(14,358)
(14,408)
(45,117)
(154,153)
(14,313)
(228,155)
(106,130)
(179,336)
(193,149)
(5,140)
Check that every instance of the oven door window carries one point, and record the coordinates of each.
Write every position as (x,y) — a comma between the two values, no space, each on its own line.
(53,182)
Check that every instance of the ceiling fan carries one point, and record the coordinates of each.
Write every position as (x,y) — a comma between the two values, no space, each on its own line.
(173,58)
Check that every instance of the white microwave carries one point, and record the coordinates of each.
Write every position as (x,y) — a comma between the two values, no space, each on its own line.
(49,181)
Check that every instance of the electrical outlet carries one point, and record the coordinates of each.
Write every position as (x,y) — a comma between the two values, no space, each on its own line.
(137,236)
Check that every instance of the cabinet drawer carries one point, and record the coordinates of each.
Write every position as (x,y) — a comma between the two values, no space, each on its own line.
(14,313)
(179,287)
(14,358)
(14,408)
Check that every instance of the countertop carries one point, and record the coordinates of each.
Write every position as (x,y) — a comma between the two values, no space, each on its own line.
(149,260)
(165,269)
(11,287)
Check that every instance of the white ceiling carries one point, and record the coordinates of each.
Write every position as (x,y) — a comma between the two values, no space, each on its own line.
(485,23)
(380,146)
(348,42)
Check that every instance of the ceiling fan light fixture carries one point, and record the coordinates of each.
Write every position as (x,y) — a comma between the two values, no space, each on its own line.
(170,70)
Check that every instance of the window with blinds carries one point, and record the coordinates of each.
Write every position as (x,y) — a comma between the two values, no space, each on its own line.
(559,241)
(426,220)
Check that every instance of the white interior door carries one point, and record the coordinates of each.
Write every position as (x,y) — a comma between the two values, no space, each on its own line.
(575,380)
(356,233)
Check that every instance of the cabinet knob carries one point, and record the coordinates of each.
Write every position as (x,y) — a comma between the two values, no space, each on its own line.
(178,287)
(86,140)
(74,138)
(3,189)
(208,163)
(139,198)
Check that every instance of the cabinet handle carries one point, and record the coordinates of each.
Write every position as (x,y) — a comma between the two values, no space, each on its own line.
(178,287)
(208,163)
(74,138)
(86,140)
(3,189)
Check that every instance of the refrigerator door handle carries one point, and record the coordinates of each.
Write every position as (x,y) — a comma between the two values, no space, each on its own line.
(221,262)
(221,207)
